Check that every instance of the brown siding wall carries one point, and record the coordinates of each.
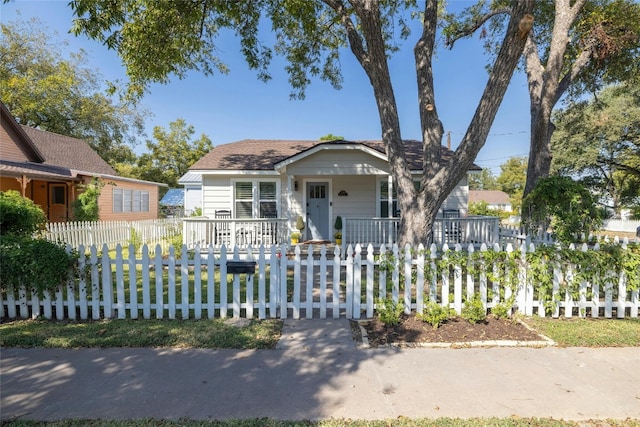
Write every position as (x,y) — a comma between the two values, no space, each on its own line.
(8,147)
(106,202)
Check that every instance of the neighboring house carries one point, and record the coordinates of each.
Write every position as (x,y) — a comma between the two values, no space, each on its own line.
(172,203)
(192,183)
(495,199)
(48,169)
(317,180)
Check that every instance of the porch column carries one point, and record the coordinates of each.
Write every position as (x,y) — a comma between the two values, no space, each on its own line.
(70,198)
(290,179)
(390,232)
(390,197)
(24,181)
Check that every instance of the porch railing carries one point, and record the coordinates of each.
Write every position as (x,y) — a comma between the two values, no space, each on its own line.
(234,232)
(471,229)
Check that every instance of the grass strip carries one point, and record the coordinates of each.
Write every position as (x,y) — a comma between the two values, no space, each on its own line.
(258,334)
(589,332)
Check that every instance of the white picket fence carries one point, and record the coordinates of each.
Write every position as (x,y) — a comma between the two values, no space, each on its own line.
(311,283)
(87,233)
(516,235)
(628,226)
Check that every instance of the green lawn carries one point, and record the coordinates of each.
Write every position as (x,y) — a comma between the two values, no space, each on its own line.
(140,333)
(589,332)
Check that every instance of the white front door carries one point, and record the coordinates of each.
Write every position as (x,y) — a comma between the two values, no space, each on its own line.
(318,210)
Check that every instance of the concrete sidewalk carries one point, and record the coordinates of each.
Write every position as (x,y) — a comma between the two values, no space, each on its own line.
(317,372)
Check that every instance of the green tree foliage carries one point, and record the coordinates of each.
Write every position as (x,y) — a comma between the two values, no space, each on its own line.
(172,153)
(563,204)
(19,216)
(482,208)
(85,207)
(599,139)
(312,35)
(42,88)
(331,137)
(512,179)
(483,180)
(574,47)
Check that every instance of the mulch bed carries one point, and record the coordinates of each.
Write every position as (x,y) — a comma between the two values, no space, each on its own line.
(412,331)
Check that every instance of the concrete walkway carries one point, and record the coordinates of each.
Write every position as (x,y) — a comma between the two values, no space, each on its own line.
(317,372)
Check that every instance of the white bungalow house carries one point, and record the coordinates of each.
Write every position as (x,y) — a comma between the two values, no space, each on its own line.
(254,190)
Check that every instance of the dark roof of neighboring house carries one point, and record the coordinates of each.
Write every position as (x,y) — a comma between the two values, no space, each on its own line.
(492,197)
(253,154)
(67,152)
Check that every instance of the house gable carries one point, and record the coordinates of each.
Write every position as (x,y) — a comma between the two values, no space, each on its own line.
(15,145)
(337,160)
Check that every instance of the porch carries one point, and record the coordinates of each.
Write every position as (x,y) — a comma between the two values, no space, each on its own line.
(275,231)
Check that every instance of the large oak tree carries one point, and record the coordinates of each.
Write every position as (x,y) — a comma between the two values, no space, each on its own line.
(157,40)
(575,46)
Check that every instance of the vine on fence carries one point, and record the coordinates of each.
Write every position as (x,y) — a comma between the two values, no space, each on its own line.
(597,265)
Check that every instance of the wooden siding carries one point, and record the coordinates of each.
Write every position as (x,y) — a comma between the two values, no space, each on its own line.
(105,201)
(216,194)
(8,146)
(360,200)
(339,162)
(458,199)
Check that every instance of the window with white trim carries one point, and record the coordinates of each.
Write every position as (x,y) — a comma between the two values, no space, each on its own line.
(130,200)
(384,201)
(255,199)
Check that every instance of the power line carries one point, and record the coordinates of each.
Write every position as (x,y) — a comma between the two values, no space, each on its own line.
(501,158)
(494,134)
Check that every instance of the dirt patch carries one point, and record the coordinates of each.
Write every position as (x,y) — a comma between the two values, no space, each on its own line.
(413,331)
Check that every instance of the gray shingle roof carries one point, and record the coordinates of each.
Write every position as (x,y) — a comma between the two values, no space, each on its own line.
(252,154)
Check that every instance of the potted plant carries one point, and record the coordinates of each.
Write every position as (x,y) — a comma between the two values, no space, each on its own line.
(338,226)
(297,235)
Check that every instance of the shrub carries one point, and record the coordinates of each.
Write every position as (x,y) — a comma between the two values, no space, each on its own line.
(388,311)
(565,205)
(473,310)
(35,263)
(501,310)
(435,314)
(85,207)
(19,216)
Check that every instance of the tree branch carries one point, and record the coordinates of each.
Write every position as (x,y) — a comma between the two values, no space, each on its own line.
(431,127)
(503,68)
(470,28)
(355,40)
(534,69)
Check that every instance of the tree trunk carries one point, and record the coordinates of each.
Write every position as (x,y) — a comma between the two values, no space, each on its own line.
(546,85)
(419,209)
(540,156)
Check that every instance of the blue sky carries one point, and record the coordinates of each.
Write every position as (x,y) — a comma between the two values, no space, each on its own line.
(237,106)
